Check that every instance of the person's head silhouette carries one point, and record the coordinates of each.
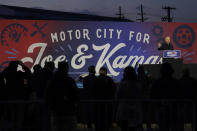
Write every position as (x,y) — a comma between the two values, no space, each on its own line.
(63,67)
(91,69)
(50,65)
(13,65)
(37,67)
(103,71)
(140,69)
(129,74)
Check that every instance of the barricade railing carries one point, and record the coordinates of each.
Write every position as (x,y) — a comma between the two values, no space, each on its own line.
(35,116)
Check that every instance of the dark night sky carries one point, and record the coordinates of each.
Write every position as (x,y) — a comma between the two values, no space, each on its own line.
(186,9)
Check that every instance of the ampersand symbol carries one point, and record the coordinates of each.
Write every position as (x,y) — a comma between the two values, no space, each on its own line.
(81,59)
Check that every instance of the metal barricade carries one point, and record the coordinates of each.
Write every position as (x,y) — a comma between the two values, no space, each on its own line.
(22,115)
(165,115)
(99,114)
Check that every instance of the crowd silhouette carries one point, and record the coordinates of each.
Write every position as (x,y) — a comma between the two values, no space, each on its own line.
(63,99)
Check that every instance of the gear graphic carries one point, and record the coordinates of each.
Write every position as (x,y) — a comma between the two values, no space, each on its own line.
(12,33)
(157,31)
(184,36)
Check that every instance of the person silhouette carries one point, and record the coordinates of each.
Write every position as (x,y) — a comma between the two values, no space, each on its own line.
(16,80)
(16,88)
(62,98)
(1,80)
(89,82)
(129,114)
(2,87)
(37,68)
(105,87)
(187,83)
(145,81)
(34,82)
(88,89)
(104,90)
(166,87)
(40,78)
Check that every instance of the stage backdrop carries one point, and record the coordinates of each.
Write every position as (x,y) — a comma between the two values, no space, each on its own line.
(114,45)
